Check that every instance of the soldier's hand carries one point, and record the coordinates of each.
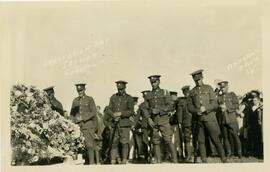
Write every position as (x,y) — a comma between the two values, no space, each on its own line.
(223,107)
(202,109)
(180,125)
(199,114)
(78,118)
(155,111)
(117,114)
(117,118)
(151,122)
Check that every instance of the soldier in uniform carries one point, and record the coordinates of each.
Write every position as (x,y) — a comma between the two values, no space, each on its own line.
(202,103)
(137,131)
(141,126)
(84,113)
(177,132)
(159,104)
(55,104)
(121,108)
(184,117)
(228,105)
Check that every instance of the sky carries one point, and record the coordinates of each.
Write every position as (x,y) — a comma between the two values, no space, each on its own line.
(98,43)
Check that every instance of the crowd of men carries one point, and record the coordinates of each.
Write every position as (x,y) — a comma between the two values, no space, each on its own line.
(166,128)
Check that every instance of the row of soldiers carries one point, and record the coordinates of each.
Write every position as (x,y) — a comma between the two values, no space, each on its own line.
(162,126)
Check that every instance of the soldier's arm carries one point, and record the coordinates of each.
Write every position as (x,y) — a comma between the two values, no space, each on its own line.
(107,120)
(93,110)
(130,108)
(59,108)
(212,105)
(168,107)
(145,110)
(109,109)
(73,109)
(191,106)
(235,103)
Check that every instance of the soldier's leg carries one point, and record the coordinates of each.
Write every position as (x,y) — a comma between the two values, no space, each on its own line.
(167,135)
(213,130)
(139,144)
(89,139)
(234,133)
(201,142)
(115,146)
(145,144)
(156,145)
(187,139)
(124,140)
(225,135)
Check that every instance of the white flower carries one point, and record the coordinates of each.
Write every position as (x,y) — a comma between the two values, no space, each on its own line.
(32,125)
(35,159)
(45,126)
(18,93)
(30,151)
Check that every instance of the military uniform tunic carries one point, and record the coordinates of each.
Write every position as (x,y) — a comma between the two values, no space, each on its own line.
(85,109)
(160,99)
(124,104)
(204,96)
(57,106)
(228,121)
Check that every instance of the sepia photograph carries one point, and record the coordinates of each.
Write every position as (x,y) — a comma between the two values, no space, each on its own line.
(132,83)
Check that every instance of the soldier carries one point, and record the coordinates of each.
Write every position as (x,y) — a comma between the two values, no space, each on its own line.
(184,117)
(159,104)
(84,113)
(177,132)
(202,103)
(136,138)
(99,134)
(121,108)
(143,114)
(55,104)
(228,105)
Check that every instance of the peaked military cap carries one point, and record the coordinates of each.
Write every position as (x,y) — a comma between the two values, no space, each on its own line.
(173,93)
(154,78)
(49,89)
(121,84)
(80,86)
(197,75)
(186,87)
(135,99)
(145,92)
(223,83)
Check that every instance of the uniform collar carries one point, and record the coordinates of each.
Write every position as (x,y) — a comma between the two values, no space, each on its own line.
(121,94)
(83,97)
(156,90)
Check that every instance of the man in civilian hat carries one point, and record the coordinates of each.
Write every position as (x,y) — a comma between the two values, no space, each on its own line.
(255,125)
(185,121)
(84,113)
(121,108)
(202,103)
(55,104)
(228,105)
(159,104)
